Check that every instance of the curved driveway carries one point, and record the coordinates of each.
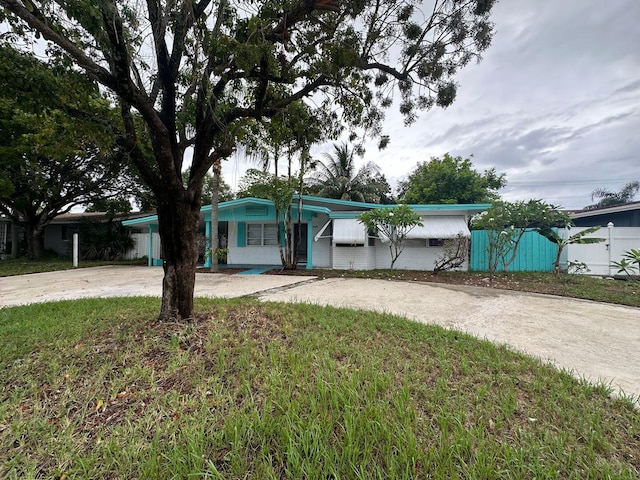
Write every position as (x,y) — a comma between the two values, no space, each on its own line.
(593,340)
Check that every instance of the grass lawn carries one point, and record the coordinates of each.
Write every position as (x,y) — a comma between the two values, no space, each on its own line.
(23,266)
(96,389)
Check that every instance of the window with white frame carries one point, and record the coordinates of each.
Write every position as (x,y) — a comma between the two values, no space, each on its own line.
(262,234)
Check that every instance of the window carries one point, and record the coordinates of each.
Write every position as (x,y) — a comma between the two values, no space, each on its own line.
(436,242)
(261,234)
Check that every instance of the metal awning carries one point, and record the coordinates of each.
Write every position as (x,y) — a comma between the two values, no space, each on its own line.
(349,230)
(440,227)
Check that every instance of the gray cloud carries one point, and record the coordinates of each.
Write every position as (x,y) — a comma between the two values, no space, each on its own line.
(555,104)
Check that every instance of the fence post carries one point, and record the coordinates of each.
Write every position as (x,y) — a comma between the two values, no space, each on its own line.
(610,227)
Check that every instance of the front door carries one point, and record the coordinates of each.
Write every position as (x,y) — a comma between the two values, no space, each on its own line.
(301,233)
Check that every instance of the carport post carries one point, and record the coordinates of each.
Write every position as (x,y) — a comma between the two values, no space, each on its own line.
(310,244)
(610,226)
(75,250)
(207,248)
(150,247)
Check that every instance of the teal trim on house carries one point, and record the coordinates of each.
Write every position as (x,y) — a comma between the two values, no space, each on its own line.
(345,215)
(333,201)
(242,234)
(261,210)
(141,221)
(535,253)
(309,245)
(470,207)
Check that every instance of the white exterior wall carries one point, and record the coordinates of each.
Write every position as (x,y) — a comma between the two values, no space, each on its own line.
(354,258)
(251,254)
(322,248)
(141,248)
(415,256)
(53,239)
(598,256)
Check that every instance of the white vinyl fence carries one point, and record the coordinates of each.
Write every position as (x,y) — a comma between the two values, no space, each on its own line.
(141,248)
(598,256)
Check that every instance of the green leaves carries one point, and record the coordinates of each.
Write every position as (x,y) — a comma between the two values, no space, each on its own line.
(392,225)
(630,262)
(450,180)
(338,178)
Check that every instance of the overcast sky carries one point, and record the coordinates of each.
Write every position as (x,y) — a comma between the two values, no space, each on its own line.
(554,104)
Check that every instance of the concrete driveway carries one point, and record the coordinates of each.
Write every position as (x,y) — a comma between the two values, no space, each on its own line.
(593,340)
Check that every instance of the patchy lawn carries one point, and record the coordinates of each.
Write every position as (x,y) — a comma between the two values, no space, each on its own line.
(96,389)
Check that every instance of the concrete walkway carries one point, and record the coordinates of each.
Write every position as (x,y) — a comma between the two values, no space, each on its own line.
(593,340)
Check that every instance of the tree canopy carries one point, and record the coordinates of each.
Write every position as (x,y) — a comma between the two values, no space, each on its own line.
(450,180)
(200,74)
(336,177)
(57,149)
(612,199)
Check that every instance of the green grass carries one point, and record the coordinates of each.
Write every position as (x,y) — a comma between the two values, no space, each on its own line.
(97,389)
(23,266)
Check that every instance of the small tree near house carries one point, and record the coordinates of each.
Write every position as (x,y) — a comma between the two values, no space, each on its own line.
(575,239)
(393,224)
(454,254)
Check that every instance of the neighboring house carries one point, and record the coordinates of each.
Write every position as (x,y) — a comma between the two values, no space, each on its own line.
(330,236)
(58,234)
(627,215)
(5,235)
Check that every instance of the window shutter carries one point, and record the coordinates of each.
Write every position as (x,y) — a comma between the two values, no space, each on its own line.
(242,234)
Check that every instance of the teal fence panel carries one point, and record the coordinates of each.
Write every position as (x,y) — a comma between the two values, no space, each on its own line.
(535,253)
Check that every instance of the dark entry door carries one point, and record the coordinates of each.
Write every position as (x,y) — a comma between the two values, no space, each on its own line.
(302,234)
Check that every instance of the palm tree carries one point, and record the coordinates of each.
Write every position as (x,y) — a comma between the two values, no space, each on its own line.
(611,199)
(336,177)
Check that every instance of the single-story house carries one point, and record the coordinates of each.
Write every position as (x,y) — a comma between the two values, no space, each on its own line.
(331,235)
(57,236)
(627,215)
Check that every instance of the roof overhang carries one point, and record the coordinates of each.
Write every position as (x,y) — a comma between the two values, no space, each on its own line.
(607,210)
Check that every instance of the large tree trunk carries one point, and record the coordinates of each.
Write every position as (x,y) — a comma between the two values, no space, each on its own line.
(34,242)
(178,221)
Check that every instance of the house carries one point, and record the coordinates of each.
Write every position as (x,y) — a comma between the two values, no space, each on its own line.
(5,235)
(57,236)
(331,235)
(627,215)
